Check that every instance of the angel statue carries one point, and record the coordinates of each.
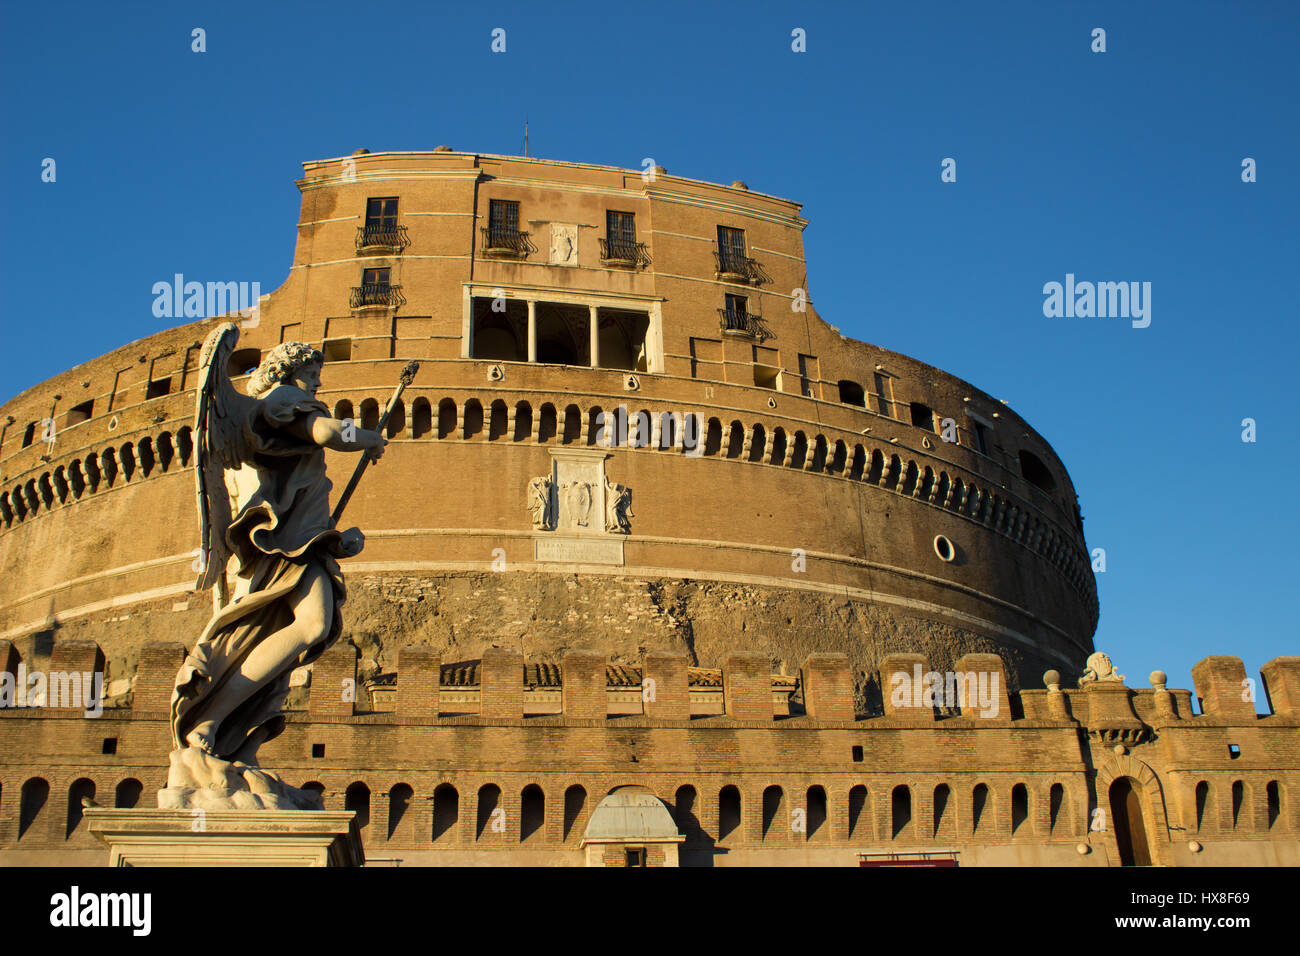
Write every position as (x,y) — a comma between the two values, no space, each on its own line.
(263,502)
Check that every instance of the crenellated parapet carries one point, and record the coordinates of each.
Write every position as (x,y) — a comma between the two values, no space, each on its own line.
(756,763)
(664,686)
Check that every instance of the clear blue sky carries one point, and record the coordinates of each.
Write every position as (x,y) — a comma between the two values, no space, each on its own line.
(1123,165)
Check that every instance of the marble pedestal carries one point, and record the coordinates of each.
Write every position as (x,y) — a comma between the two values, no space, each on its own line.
(227,837)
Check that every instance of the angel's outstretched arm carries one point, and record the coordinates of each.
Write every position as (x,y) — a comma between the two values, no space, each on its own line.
(340,436)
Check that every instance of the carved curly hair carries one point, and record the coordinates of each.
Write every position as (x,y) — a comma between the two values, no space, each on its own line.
(281,362)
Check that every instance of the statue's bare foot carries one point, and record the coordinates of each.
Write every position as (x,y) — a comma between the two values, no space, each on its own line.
(204,736)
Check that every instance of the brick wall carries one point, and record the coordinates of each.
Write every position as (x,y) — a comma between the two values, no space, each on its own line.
(841,776)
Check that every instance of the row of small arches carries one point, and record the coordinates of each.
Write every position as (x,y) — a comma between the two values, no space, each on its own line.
(666,430)
(1239,793)
(942,822)
(35,797)
(779,819)
(84,476)
(756,443)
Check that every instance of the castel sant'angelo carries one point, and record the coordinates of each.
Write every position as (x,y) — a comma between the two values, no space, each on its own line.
(660,568)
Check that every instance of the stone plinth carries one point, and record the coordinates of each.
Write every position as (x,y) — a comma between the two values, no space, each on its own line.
(227,837)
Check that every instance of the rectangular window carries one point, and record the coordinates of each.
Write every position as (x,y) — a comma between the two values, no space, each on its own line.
(374,289)
(619,243)
(731,249)
(636,856)
(503,217)
(735,317)
(381,214)
(620,227)
(981,438)
(922,416)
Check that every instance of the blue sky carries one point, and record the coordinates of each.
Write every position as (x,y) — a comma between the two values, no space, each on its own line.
(1115,166)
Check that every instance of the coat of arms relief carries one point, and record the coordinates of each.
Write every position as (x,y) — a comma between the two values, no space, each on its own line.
(577,510)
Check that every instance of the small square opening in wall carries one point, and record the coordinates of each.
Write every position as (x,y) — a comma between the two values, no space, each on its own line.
(318,750)
(857,754)
(767,377)
(110,745)
(338,350)
(1234,751)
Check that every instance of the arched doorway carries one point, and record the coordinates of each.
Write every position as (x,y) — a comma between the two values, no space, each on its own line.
(1127,820)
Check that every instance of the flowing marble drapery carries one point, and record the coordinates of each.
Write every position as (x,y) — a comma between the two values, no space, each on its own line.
(281,526)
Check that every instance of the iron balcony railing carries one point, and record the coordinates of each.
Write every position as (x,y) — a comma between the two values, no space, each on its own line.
(738,320)
(732,265)
(624,251)
(377,294)
(382,237)
(500,241)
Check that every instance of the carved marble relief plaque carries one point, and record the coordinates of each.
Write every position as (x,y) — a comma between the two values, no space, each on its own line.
(564,244)
(570,509)
(579,478)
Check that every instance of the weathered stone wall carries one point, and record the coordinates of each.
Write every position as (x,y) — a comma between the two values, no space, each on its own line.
(545,614)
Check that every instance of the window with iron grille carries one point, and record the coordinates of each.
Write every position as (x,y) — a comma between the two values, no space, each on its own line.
(619,244)
(620,227)
(381,228)
(731,249)
(735,317)
(374,289)
(381,215)
(503,217)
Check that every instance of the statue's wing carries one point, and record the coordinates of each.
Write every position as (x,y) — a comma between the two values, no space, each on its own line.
(219,414)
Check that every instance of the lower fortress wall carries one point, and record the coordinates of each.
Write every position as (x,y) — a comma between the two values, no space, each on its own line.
(494,761)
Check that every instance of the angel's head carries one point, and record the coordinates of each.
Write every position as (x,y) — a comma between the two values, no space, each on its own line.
(291,363)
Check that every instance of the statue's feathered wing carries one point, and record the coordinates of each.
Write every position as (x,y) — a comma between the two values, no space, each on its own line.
(220,412)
